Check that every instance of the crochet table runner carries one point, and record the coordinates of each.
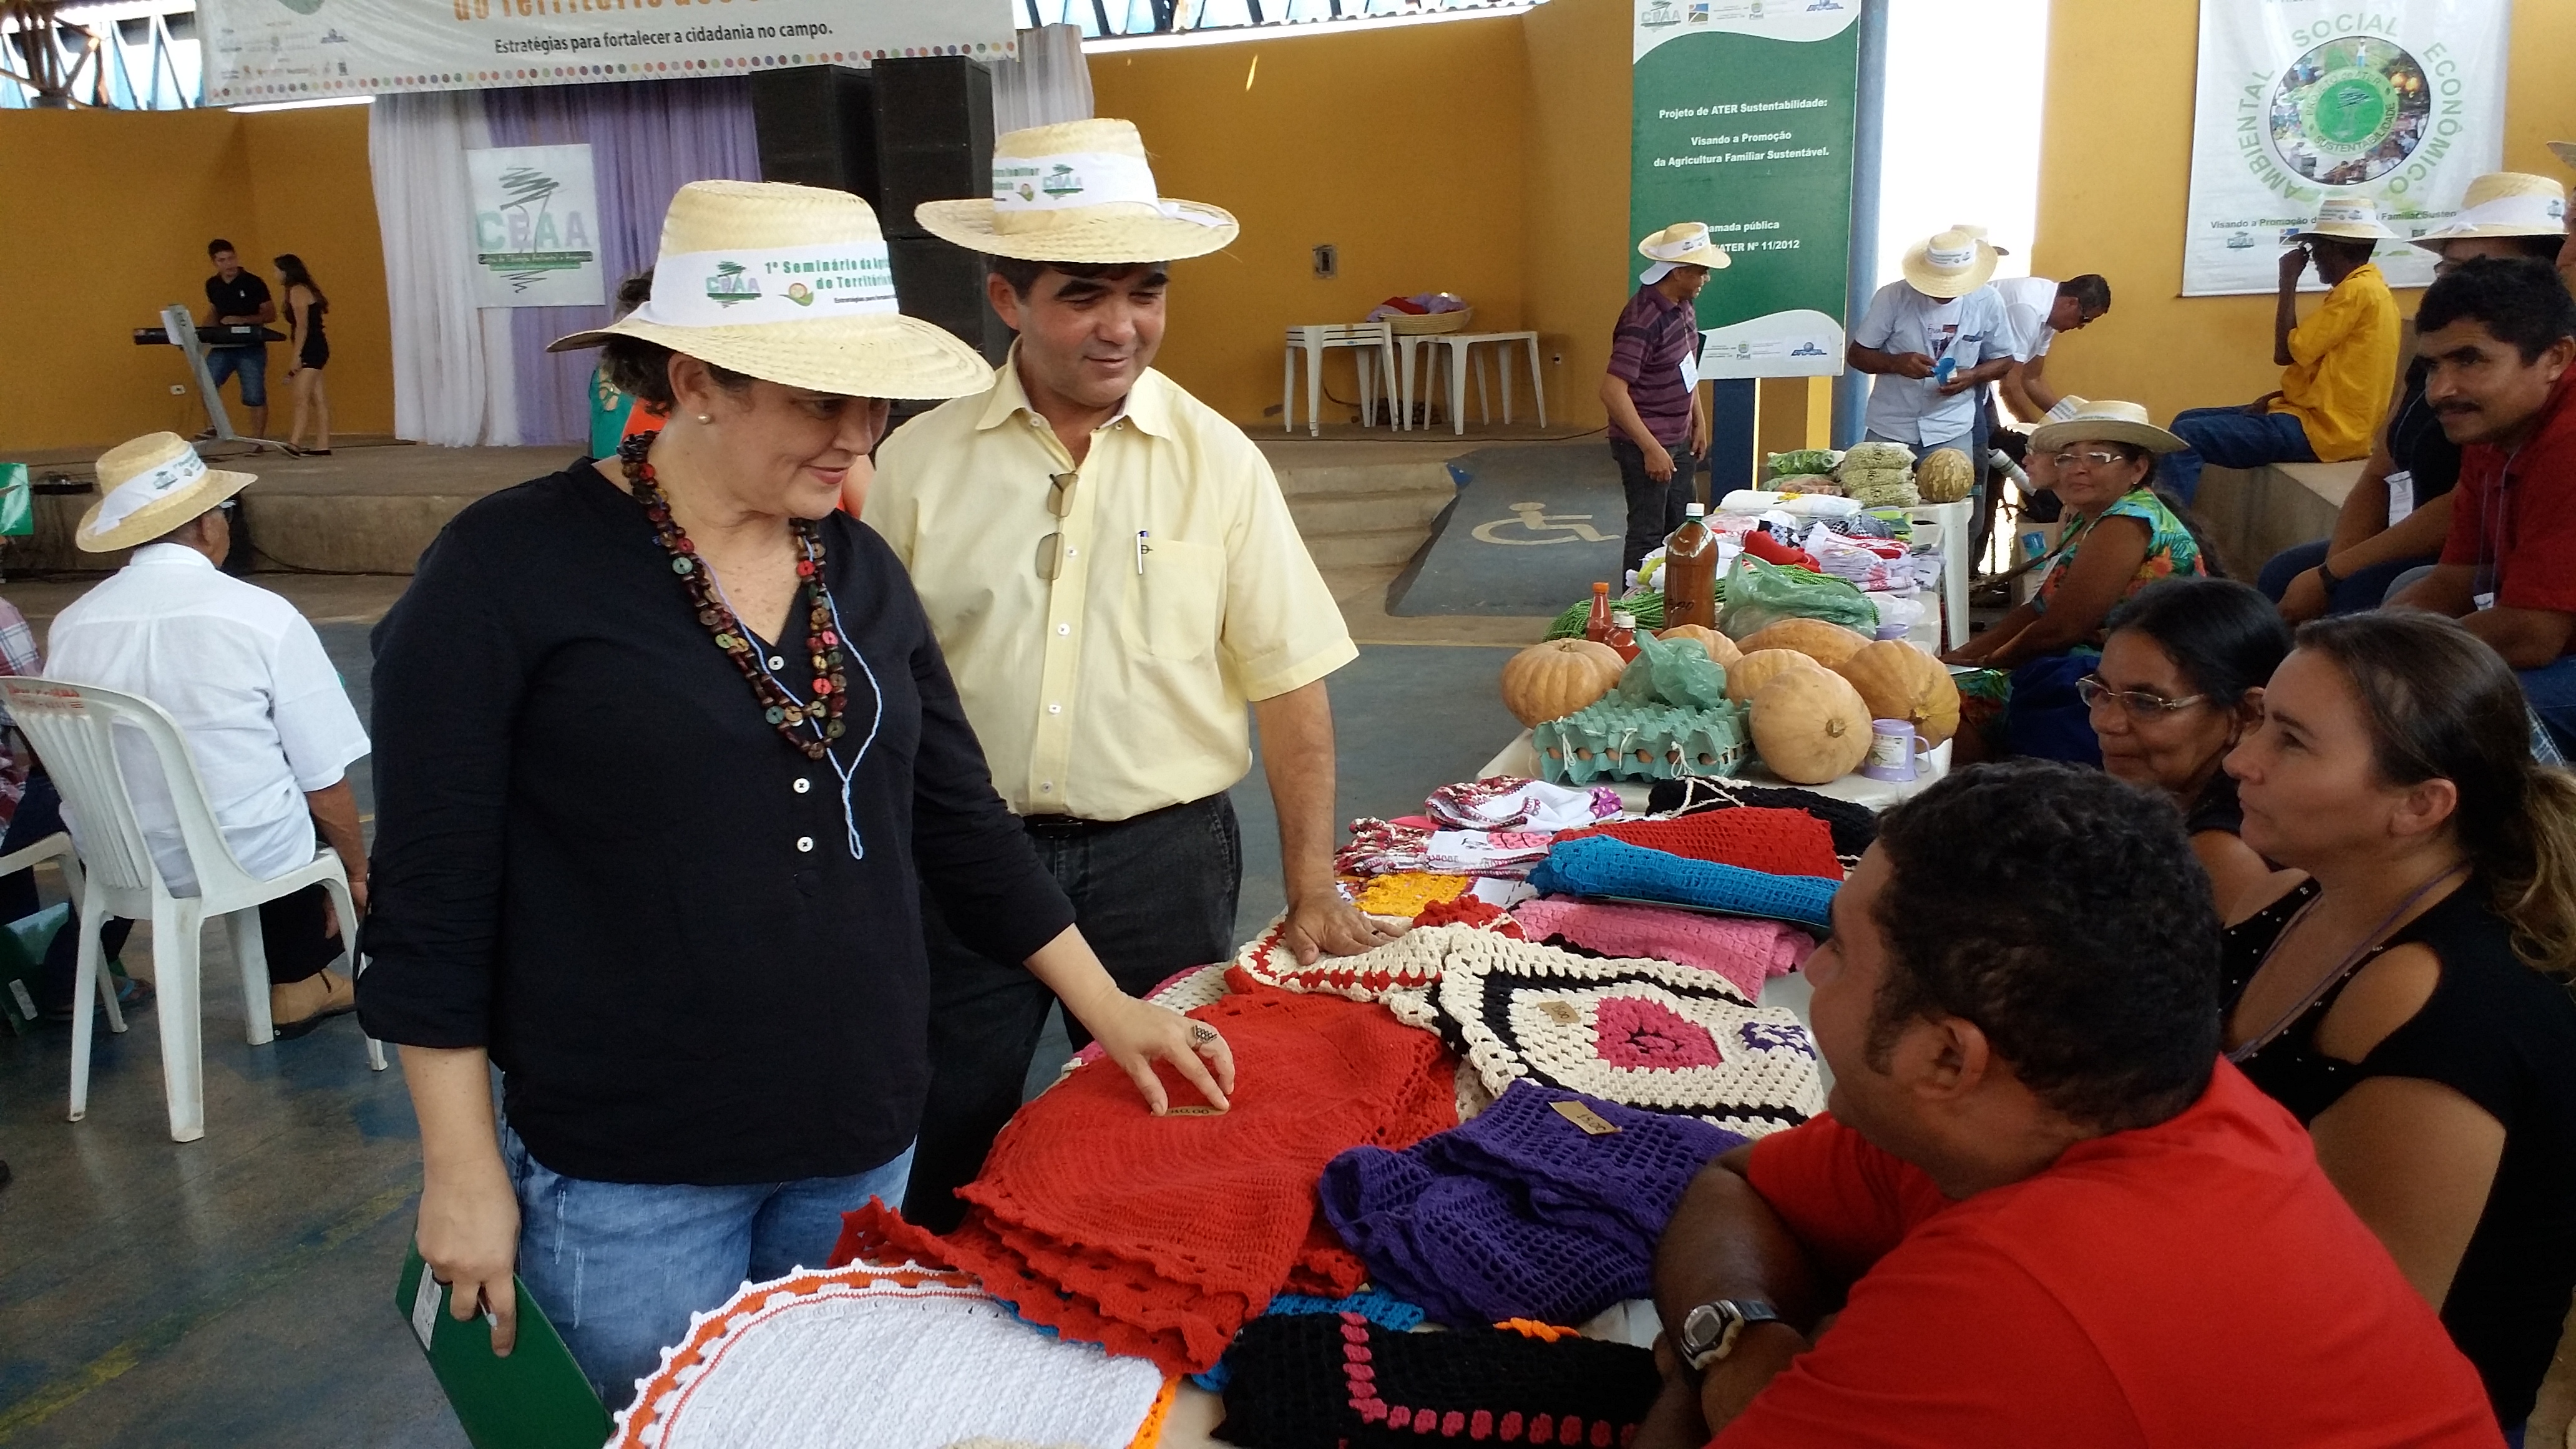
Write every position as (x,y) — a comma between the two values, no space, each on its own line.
(1746,953)
(1159,1236)
(1342,1380)
(894,1359)
(1548,1206)
(1599,866)
(1640,1032)
(1776,842)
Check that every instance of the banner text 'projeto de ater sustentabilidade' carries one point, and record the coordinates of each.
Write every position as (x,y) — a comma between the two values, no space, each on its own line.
(1744,138)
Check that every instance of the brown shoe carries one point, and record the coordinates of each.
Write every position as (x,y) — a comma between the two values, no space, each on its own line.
(297,1007)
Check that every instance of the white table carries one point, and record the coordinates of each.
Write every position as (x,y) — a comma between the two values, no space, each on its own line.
(1954,520)
(1461,346)
(1520,757)
(1371,343)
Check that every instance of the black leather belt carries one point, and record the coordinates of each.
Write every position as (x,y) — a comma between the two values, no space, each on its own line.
(1066,826)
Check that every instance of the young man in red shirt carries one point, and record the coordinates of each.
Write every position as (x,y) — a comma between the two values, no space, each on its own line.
(2041,1211)
(2501,337)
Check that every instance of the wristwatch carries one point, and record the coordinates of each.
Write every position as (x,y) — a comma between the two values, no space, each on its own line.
(1710,1330)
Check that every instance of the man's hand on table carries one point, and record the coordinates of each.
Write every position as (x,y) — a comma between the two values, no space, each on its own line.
(1321,923)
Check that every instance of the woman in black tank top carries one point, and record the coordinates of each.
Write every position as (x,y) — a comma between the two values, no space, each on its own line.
(2404,990)
(305,306)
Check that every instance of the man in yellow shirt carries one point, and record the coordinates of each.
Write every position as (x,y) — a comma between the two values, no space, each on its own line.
(2338,367)
(1114,578)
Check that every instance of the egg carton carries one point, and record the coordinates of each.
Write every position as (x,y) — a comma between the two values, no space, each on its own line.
(1612,741)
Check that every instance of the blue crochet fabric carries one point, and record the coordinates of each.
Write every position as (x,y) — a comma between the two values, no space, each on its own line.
(1368,1303)
(1520,1213)
(1600,866)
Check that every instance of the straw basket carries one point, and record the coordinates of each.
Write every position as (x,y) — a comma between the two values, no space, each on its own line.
(1432,324)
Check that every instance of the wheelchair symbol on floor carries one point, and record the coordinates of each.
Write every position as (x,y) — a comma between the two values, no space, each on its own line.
(1538,526)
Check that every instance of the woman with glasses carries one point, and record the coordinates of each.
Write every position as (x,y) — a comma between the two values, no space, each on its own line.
(2121,535)
(2403,989)
(2179,683)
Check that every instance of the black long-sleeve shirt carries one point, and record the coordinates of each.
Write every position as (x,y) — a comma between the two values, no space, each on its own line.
(596,857)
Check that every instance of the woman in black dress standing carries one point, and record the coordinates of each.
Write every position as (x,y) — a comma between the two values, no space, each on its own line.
(305,306)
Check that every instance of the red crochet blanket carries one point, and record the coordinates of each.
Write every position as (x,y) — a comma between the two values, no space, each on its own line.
(1777,842)
(1159,1236)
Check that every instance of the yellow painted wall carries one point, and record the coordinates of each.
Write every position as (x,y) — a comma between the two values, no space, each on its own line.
(109,215)
(2114,181)
(1575,62)
(1400,147)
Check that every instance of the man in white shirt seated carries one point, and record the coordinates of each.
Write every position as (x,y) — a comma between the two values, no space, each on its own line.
(266,721)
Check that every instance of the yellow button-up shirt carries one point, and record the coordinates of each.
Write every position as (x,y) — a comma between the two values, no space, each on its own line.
(1184,594)
(2343,363)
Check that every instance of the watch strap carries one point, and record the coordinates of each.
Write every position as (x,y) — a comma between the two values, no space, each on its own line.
(1733,1316)
(2327,576)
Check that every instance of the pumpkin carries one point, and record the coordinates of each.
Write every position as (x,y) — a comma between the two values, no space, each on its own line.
(1721,650)
(1810,726)
(1759,667)
(1827,644)
(1945,477)
(1552,680)
(1898,681)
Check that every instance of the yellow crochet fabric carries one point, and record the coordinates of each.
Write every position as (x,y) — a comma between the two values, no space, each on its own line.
(1406,893)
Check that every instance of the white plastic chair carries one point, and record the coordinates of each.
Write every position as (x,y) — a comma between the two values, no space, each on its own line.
(58,846)
(73,728)
(1374,343)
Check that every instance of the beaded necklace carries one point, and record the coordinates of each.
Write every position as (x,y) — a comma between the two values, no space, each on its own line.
(810,725)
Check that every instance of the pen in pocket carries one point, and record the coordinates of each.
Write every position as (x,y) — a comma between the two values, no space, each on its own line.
(1142,548)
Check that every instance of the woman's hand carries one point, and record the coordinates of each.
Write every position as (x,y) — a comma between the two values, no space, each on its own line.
(1137,1034)
(469,1235)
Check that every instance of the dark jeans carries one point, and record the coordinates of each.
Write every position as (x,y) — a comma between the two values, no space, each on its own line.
(1654,509)
(2230,438)
(2552,691)
(1154,896)
(2358,594)
(293,928)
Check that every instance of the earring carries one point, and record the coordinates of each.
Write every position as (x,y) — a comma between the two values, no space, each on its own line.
(706,417)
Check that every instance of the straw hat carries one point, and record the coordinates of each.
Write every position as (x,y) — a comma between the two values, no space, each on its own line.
(1683,244)
(2565,151)
(2351,218)
(2106,422)
(1979,233)
(148,487)
(792,284)
(1079,191)
(2505,203)
(1950,264)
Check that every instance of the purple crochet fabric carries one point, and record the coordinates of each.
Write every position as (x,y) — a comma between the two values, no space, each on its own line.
(1520,1213)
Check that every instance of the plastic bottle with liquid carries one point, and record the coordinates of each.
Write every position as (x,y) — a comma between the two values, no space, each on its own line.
(1597,625)
(1690,572)
(1623,633)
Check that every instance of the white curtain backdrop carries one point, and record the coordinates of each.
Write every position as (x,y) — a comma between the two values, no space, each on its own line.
(1050,82)
(454,383)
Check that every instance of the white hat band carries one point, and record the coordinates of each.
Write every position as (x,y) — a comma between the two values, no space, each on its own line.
(2543,211)
(1674,250)
(1949,261)
(135,493)
(1071,179)
(770,284)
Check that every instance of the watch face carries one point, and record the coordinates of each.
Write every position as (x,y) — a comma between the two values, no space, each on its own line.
(1702,1329)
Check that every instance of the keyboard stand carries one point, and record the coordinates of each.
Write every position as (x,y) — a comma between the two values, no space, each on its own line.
(183,332)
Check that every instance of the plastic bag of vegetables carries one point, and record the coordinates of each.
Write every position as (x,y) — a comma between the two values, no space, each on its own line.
(1760,594)
(1801,461)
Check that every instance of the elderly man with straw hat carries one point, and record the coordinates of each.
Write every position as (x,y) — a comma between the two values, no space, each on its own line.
(1932,340)
(1114,577)
(260,703)
(2399,510)
(1658,422)
(668,762)
(2337,367)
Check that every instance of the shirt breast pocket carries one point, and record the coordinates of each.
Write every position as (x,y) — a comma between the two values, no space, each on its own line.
(1176,602)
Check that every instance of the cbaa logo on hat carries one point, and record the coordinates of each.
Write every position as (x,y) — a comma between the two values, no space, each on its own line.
(731,282)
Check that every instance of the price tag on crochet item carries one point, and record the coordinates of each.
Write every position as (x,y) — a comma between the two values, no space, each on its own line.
(1560,1012)
(1199,1111)
(424,1307)
(1592,1123)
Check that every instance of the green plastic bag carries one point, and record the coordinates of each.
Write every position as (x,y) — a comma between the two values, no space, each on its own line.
(1678,674)
(1760,594)
(17,502)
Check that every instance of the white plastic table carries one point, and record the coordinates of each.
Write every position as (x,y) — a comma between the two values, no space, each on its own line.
(1520,757)
(1461,346)
(1371,343)
(1954,519)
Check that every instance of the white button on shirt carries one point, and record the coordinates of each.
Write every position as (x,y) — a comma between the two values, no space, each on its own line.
(256,698)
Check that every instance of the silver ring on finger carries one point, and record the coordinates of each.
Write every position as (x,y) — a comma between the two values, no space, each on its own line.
(1201,1033)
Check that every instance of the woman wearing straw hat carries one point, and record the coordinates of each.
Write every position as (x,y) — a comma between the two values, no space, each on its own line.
(2121,535)
(2336,366)
(2399,510)
(667,755)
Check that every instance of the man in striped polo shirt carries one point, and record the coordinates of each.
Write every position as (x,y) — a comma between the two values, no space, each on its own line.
(1658,425)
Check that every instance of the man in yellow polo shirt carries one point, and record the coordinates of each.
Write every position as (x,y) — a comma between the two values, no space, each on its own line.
(2338,367)
(1114,577)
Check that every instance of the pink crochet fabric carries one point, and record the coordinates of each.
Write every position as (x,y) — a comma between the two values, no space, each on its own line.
(1776,842)
(1746,953)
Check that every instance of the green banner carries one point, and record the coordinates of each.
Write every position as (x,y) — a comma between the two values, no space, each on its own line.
(1744,120)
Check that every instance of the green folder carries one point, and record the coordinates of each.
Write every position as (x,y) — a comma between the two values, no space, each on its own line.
(536,1398)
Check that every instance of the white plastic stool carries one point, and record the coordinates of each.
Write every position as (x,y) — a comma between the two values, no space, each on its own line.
(1373,342)
(1458,348)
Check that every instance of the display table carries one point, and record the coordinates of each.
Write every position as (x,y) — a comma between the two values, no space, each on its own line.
(1520,757)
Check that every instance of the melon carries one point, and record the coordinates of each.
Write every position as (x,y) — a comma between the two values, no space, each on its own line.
(1552,680)
(1898,681)
(1760,667)
(1810,726)
(1827,644)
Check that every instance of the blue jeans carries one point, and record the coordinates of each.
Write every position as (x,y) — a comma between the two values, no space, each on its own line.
(2363,591)
(2552,691)
(2230,438)
(250,362)
(619,1267)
